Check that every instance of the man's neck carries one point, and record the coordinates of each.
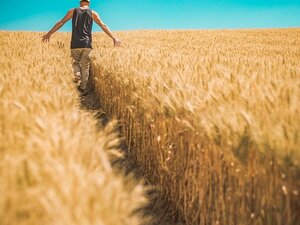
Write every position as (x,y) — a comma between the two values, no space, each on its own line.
(84,7)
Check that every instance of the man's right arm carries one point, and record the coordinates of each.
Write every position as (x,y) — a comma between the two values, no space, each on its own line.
(105,28)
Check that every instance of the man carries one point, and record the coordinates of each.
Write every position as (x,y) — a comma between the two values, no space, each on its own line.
(81,43)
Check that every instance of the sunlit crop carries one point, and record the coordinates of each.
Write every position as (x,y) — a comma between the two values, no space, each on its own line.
(212,117)
(54,166)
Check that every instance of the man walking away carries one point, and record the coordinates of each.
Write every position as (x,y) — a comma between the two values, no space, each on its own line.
(81,43)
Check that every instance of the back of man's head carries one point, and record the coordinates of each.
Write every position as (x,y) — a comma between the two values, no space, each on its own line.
(85,2)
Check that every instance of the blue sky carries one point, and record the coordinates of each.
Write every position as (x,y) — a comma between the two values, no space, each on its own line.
(41,15)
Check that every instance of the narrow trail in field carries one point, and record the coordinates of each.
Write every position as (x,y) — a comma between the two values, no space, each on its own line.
(156,209)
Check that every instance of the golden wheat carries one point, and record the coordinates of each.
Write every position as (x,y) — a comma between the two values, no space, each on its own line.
(212,117)
(54,166)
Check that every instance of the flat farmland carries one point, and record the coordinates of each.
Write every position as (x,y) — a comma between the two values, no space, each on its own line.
(212,117)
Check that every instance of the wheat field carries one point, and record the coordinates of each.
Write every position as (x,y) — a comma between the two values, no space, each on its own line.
(212,117)
(54,163)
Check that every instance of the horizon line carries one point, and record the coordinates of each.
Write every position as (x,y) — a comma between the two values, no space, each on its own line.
(165,29)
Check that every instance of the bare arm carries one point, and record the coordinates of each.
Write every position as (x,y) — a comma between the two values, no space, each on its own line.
(105,28)
(58,25)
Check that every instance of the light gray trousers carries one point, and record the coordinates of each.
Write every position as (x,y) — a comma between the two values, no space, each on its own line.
(81,64)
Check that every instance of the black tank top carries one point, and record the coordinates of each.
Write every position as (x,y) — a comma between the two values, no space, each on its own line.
(82,22)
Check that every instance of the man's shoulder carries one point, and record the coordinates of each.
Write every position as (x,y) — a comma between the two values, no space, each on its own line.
(94,12)
(71,10)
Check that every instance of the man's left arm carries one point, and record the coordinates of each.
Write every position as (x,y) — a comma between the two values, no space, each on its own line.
(58,25)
